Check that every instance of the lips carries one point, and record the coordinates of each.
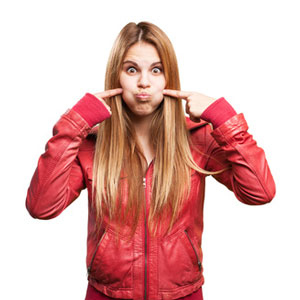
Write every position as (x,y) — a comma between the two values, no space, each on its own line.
(143,96)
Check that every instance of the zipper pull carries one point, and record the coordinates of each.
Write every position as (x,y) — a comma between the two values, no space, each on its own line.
(144,182)
(199,265)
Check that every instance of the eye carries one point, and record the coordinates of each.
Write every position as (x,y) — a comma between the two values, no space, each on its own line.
(157,70)
(131,70)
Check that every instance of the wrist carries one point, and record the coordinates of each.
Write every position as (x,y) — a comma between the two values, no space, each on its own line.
(218,112)
(91,109)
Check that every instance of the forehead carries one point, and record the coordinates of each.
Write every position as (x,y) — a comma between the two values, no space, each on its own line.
(142,53)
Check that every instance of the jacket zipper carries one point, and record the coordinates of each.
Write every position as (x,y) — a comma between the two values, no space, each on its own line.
(145,283)
(198,261)
(94,255)
(145,186)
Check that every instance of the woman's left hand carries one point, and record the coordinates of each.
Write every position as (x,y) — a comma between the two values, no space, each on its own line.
(196,103)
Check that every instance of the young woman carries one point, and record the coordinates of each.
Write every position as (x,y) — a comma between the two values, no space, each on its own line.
(144,166)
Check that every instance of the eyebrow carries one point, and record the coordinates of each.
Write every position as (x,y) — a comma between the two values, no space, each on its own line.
(134,63)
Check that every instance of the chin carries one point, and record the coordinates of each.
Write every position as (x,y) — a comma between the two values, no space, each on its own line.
(143,113)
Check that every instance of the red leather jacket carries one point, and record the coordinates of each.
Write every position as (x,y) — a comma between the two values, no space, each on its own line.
(146,267)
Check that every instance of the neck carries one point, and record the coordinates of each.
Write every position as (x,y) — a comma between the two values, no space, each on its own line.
(142,130)
(141,126)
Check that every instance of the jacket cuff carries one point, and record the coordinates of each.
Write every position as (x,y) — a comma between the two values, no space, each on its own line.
(218,112)
(231,131)
(91,109)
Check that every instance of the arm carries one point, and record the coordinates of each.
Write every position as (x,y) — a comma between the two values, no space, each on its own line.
(230,145)
(58,178)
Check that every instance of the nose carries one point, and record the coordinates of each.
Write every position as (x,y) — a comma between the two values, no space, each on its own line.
(143,80)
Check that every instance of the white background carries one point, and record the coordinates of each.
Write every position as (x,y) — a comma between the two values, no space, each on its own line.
(52,52)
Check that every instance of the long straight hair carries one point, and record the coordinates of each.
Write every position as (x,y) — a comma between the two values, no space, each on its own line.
(119,161)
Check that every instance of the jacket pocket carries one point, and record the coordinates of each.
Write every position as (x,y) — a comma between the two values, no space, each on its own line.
(111,262)
(194,249)
(94,254)
(179,262)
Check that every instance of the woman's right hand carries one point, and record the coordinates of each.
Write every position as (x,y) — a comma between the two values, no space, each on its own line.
(102,96)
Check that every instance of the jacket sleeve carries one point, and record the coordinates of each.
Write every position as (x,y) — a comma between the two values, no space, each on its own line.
(248,175)
(58,178)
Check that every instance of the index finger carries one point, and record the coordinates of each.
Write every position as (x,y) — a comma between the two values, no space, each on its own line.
(177,94)
(110,93)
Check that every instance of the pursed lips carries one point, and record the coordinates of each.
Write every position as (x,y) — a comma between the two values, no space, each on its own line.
(143,96)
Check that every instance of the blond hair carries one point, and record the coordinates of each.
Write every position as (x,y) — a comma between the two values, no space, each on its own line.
(119,161)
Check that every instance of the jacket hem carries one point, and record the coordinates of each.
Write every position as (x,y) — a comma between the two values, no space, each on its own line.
(123,293)
(181,291)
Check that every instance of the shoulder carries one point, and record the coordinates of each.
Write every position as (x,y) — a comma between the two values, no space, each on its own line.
(199,132)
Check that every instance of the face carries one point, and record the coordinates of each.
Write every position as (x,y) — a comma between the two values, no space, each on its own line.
(142,79)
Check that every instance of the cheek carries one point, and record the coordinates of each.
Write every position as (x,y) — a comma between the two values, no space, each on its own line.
(126,91)
(127,88)
(123,82)
(161,84)
(126,95)
(126,82)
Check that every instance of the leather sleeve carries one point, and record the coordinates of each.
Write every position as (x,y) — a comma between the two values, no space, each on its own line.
(58,178)
(248,174)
